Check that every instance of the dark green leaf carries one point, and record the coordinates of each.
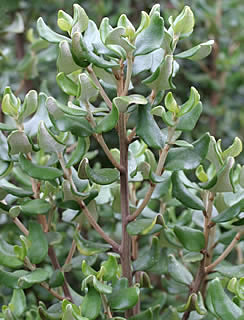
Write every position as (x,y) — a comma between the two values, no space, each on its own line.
(191,239)
(34,207)
(66,84)
(124,299)
(184,195)
(188,158)
(37,171)
(18,302)
(230,213)
(178,271)
(109,121)
(91,304)
(188,121)
(39,244)
(89,248)
(102,176)
(34,277)
(12,189)
(57,279)
(79,152)
(8,257)
(148,129)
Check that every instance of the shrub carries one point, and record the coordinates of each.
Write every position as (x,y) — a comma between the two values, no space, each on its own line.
(151,236)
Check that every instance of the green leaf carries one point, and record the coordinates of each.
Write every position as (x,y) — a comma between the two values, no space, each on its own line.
(117,36)
(151,37)
(5,168)
(220,304)
(57,279)
(224,180)
(47,140)
(18,302)
(123,102)
(178,271)
(144,226)
(65,61)
(10,104)
(149,314)
(39,244)
(109,121)
(150,258)
(184,23)
(111,268)
(188,121)
(58,110)
(183,194)
(229,270)
(82,53)
(79,152)
(148,129)
(12,189)
(188,158)
(39,172)
(89,248)
(91,304)
(101,176)
(66,84)
(99,286)
(64,21)
(193,100)
(124,299)
(234,150)
(7,127)
(87,88)
(29,106)
(37,276)
(230,213)
(36,206)
(9,279)
(80,21)
(17,26)
(170,103)
(191,239)
(145,21)
(161,77)
(18,142)
(198,52)
(48,34)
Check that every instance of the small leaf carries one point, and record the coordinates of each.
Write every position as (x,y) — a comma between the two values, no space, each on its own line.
(80,21)
(89,248)
(170,103)
(109,121)
(230,270)
(87,88)
(12,189)
(193,100)
(230,213)
(36,206)
(66,84)
(191,239)
(220,304)
(150,37)
(47,141)
(184,22)
(183,194)
(8,279)
(48,34)
(18,142)
(150,258)
(65,21)
(39,245)
(65,62)
(117,36)
(144,226)
(57,279)
(18,302)
(124,298)
(102,176)
(123,102)
(178,271)
(234,150)
(148,129)
(37,276)
(188,158)
(39,172)
(79,152)
(188,121)
(201,174)
(91,304)
(29,106)
(198,52)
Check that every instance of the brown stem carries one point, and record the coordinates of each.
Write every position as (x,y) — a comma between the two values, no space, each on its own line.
(56,265)
(124,199)
(227,251)
(101,90)
(20,225)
